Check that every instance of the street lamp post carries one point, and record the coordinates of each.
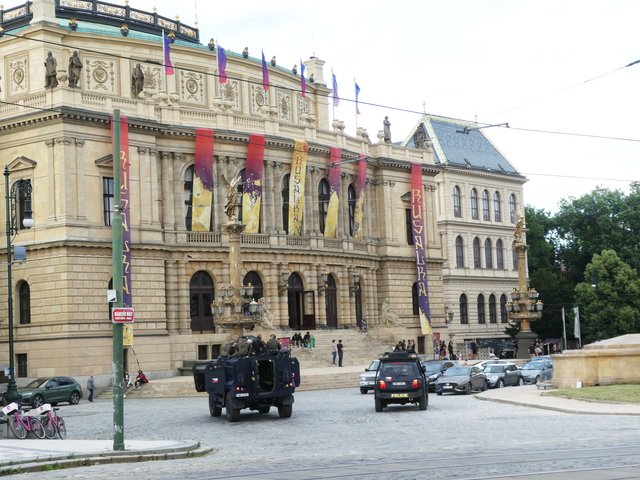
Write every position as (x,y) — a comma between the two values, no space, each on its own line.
(11,196)
(524,306)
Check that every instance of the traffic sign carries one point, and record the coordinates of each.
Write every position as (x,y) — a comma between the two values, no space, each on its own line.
(122,315)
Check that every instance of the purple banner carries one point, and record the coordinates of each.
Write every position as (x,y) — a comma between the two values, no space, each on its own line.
(419,241)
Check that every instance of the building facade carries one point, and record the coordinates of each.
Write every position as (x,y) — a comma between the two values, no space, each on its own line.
(57,136)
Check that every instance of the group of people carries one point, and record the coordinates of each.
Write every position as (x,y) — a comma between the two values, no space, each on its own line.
(245,347)
(140,380)
(446,350)
(408,346)
(337,350)
(306,341)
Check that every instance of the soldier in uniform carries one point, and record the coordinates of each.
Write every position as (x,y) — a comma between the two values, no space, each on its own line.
(272,343)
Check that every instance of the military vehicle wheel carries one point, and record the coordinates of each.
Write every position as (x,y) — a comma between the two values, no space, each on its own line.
(264,409)
(233,414)
(285,410)
(214,409)
(378,405)
(422,402)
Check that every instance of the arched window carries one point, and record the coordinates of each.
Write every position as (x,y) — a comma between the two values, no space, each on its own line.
(351,199)
(464,310)
(256,282)
(324,195)
(188,196)
(485,206)
(457,206)
(497,209)
(514,256)
(503,309)
(488,254)
(476,253)
(414,299)
(285,202)
(513,215)
(481,313)
(24,302)
(459,252)
(201,295)
(331,302)
(493,312)
(474,204)
(499,255)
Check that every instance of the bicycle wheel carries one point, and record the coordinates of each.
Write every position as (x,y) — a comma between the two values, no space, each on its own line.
(16,427)
(49,427)
(62,430)
(36,427)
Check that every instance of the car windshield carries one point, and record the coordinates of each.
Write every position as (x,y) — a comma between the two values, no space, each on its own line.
(36,383)
(432,367)
(373,365)
(398,370)
(494,368)
(456,371)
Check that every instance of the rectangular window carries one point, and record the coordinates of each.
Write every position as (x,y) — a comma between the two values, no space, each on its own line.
(407,215)
(21,360)
(203,352)
(107,200)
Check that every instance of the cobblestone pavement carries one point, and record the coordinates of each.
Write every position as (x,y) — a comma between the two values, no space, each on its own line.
(337,434)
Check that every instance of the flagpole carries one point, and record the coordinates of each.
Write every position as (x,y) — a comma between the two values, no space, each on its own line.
(564,332)
(355,84)
(333,99)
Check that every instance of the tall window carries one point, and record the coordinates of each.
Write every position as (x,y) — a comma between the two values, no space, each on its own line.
(22,365)
(513,215)
(488,254)
(464,310)
(285,202)
(22,207)
(459,252)
(201,295)
(351,199)
(514,256)
(499,255)
(481,314)
(324,195)
(188,196)
(24,298)
(409,225)
(503,309)
(107,199)
(414,299)
(493,312)
(474,204)
(457,207)
(485,206)
(476,253)
(497,209)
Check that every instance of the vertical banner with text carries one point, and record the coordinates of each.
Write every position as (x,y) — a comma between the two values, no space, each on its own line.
(418,232)
(331,223)
(202,181)
(252,186)
(296,187)
(358,227)
(125,198)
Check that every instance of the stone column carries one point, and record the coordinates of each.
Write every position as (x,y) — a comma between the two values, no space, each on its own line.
(278,200)
(51,181)
(144,195)
(343,213)
(321,308)
(65,178)
(171,295)
(168,213)
(266,206)
(81,205)
(310,215)
(154,206)
(183,317)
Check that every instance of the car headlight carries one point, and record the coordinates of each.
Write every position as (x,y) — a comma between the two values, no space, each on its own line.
(492,378)
(433,378)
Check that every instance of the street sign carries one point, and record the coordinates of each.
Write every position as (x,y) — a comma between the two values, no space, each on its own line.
(122,315)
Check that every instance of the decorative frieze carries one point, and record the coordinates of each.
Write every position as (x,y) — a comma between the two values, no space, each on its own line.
(192,87)
(100,75)
(18,78)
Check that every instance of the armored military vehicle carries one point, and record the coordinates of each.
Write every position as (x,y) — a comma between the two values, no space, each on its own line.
(256,382)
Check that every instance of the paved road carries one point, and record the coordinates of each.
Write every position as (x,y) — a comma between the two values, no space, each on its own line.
(337,434)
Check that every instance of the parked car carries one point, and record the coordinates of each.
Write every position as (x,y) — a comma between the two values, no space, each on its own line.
(495,361)
(368,378)
(537,370)
(461,379)
(50,390)
(499,375)
(400,380)
(434,368)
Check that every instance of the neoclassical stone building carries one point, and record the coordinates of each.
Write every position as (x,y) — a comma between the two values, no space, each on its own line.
(59,139)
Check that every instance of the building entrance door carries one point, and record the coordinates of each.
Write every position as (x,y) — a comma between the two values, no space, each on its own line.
(309,318)
(331,302)
(295,301)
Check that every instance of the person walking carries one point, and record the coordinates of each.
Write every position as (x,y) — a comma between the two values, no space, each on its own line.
(334,351)
(91,385)
(340,349)
(450,348)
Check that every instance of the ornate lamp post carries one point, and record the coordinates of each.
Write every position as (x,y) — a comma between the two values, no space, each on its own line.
(21,187)
(524,306)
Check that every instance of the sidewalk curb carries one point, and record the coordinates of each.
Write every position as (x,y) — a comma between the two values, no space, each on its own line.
(551,407)
(64,461)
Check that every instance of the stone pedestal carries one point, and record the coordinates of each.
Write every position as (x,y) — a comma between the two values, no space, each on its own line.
(524,339)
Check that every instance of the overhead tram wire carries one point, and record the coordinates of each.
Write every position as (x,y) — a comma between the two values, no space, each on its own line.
(360,102)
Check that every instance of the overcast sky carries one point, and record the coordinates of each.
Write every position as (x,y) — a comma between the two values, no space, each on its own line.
(525,62)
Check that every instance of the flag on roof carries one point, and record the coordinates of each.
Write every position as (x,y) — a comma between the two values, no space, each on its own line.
(166,48)
(357,93)
(336,98)
(222,65)
(303,81)
(265,73)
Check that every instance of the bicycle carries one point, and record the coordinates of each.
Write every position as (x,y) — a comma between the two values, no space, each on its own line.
(22,424)
(53,424)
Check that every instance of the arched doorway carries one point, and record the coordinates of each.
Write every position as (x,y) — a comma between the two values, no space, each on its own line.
(201,295)
(331,302)
(357,297)
(302,312)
